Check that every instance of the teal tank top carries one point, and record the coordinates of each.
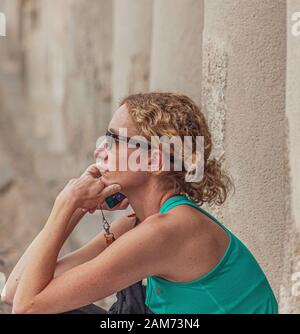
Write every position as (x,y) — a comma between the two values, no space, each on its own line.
(235,285)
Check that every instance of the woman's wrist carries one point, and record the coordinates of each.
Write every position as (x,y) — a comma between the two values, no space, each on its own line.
(62,211)
(66,199)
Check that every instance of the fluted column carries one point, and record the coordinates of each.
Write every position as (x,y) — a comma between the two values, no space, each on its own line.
(290,283)
(132,31)
(177,47)
(244,51)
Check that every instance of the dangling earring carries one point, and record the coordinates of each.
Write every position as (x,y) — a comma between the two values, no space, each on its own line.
(109,237)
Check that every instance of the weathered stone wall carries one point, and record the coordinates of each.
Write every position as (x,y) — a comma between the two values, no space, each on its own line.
(290,283)
(55,102)
(177,47)
(244,91)
(65,65)
(132,41)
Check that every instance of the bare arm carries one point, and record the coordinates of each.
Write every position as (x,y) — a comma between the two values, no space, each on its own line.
(79,256)
(93,247)
(129,259)
(9,290)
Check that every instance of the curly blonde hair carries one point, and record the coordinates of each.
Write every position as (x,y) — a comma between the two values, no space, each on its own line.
(170,114)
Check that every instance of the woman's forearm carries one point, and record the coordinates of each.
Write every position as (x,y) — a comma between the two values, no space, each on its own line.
(14,278)
(37,266)
(40,268)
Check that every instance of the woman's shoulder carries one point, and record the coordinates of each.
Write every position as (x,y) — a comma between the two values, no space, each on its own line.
(173,226)
(182,215)
(192,242)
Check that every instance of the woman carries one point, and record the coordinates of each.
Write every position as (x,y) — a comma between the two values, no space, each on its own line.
(193,264)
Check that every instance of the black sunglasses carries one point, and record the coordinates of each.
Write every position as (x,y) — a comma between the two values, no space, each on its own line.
(112,137)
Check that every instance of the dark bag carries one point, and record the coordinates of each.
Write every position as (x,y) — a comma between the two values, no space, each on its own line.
(131,300)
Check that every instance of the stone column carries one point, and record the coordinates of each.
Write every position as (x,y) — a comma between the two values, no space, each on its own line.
(132,28)
(55,101)
(290,284)
(244,51)
(68,72)
(177,47)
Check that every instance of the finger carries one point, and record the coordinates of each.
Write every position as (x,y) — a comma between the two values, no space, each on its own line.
(100,186)
(93,170)
(124,204)
(103,206)
(96,186)
(104,181)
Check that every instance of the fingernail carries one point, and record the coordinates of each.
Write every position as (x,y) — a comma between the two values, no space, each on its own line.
(117,187)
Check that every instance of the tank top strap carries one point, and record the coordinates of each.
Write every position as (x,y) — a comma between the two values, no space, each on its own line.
(182,199)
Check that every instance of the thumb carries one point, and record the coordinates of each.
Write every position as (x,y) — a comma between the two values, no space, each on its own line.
(93,170)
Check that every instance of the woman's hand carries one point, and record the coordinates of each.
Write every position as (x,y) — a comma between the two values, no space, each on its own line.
(88,191)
